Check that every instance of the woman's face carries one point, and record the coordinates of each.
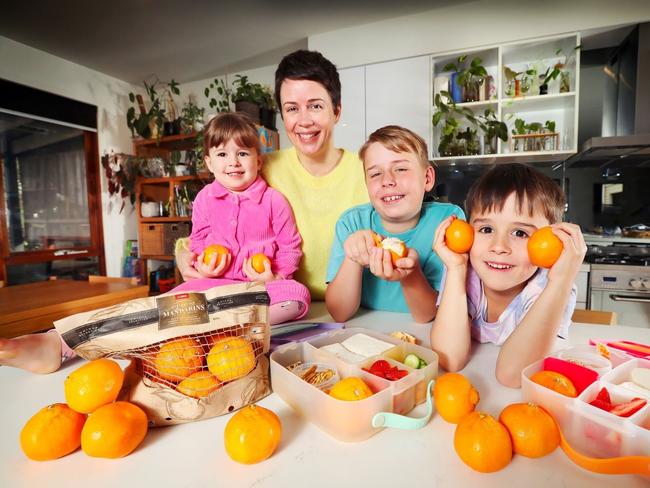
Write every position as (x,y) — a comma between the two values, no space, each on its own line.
(309,116)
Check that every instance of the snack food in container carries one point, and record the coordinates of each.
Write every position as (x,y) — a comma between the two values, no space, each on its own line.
(194,355)
(353,421)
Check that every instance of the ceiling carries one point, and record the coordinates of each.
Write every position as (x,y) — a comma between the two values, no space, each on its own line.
(186,40)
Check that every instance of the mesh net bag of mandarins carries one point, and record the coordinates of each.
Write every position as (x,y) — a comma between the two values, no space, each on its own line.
(193,355)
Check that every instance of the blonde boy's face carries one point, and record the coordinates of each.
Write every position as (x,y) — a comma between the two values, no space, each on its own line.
(234,166)
(499,254)
(396,185)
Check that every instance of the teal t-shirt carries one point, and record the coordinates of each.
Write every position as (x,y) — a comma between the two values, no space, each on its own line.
(378,294)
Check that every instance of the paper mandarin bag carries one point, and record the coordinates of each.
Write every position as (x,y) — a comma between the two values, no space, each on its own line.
(137,329)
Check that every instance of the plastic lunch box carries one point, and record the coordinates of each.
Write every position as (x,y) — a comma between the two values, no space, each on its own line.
(591,430)
(357,420)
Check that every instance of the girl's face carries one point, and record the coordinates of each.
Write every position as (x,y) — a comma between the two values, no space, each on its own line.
(499,254)
(396,185)
(309,116)
(234,166)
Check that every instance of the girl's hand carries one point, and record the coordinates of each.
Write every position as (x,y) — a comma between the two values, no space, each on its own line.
(186,261)
(449,258)
(249,271)
(575,248)
(358,246)
(381,264)
(212,269)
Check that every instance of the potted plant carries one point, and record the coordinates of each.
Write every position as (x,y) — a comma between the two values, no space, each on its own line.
(150,124)
(121,171)
(192,116)
(511,87)
(469,78)
(267,110)
(492,129)
(449,144)
(247,97)
(469,136)
(221,98)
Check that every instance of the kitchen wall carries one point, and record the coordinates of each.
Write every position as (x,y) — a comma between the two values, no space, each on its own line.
(38,69)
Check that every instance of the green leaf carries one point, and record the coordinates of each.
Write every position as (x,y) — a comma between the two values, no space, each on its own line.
(436,118)
(462,58)
(131,97)
(450,67)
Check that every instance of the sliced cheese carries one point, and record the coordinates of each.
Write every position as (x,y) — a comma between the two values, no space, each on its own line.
(365,345)
(641,377)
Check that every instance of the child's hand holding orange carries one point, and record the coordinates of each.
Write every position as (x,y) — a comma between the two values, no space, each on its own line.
(213,261)
(359,245)
(560,247)
(258,268)
(449,244)
(384,265)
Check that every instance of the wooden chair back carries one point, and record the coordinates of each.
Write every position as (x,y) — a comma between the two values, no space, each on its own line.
(112,279)
(594,317)
(2,283)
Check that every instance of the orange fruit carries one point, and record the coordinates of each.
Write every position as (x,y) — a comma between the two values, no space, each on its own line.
(258,260)
(212,249)
(52,432)
(483,443)
(459,236)
(351,389)
(178,359)
(533,431)
(199,384)
(455,397)
(92,385)
(231,358)
(114,430)
(556,382)
(377,239)
(396,248)
(252,434)
(544,247)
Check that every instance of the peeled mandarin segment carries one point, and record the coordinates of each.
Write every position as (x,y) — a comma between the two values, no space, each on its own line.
(94,384)
(544,247)
(396,248)
(52,432)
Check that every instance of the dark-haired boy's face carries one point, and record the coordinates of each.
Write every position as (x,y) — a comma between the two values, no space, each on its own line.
(309,116)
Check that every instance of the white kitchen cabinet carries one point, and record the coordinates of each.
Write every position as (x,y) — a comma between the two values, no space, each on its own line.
(350,131)
(582,282)
(399,93)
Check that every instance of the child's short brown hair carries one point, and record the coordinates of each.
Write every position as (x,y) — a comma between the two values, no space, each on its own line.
(226,126)
(399,140)
(531,187)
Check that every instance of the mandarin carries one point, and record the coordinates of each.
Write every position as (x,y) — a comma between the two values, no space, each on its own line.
(92,385)
(252,434)
(52,432)
(114,430)
(396,248)
(533,431)
(199,384)
(231,358)
(178,359)
(544,247)
(455,397)
(556,382)
(483,443)
(351,389)
(213,249)
(258,260)
(459,236)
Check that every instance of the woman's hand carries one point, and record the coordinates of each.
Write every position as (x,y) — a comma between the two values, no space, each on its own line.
(358,246)
(185,260)
(215,268)
(449,258)
(575,248)
(266,275)
(381,264)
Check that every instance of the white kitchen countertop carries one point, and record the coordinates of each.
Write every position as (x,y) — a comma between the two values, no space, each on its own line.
(193,455)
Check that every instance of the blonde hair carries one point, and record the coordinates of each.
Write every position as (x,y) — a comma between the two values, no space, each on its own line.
(400,140)
(230,126)
(531,187)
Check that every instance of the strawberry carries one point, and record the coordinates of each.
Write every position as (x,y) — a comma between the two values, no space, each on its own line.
(628,408)
(602,400)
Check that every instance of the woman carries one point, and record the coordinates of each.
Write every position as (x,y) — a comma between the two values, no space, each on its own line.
(319,180)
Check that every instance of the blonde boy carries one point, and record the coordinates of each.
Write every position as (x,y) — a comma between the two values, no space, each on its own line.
(359,273)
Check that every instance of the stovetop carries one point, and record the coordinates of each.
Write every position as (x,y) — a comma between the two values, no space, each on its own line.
(632,255)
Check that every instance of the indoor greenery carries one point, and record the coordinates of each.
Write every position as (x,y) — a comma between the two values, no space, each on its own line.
(220,98)
(470,77)
(149,123)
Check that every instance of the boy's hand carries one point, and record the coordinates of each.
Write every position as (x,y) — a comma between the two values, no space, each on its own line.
(381,264)
(358,247)
(212,269)
(449,258)
(568,264)
(249,271)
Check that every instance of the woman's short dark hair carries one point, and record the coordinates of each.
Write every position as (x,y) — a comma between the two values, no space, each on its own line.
(309,65)
(531,188)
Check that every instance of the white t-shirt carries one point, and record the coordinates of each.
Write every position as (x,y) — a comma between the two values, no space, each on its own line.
(497,332)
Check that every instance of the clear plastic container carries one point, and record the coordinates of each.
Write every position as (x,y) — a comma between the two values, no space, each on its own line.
(350,421)
(589,429)
(318,369)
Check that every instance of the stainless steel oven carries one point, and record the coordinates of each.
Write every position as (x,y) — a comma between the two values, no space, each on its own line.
(624,289)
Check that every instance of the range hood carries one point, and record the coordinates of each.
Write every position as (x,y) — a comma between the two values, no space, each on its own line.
(624,136)
(614,151)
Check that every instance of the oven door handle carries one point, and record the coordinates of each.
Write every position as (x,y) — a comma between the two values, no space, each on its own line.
(627,298)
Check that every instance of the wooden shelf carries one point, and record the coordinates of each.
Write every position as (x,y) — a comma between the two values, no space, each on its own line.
(153,220)
(170,143)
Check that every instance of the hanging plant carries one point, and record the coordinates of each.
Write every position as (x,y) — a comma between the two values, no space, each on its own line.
(121,171)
